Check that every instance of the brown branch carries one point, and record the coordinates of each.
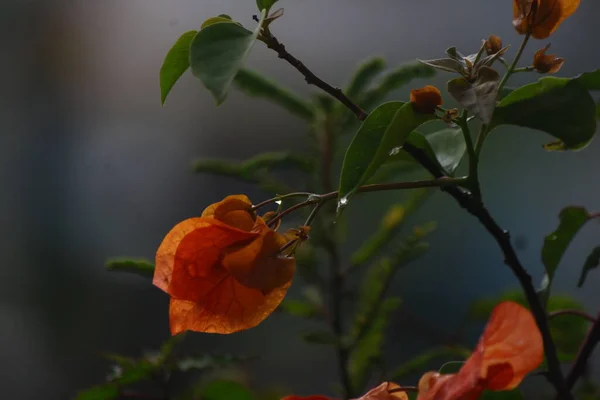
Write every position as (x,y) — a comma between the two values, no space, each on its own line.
(474,206)
(586,350)
(577,313)
(312,79)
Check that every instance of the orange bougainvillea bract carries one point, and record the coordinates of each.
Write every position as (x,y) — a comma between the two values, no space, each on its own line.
(426,99)
(224,270)
(385,391)
(547,63)
(541,18)
(511,347)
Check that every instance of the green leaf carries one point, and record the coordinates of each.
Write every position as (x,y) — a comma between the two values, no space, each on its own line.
(385,128)
(141,267)
(265,5)
(445,147)
(175,64)
(590,80)
(364,75)
(572,219)
(423,361)
(479,98)
(102,392)
(218,52)
(206,362)
(217,19)
(320,337)
(256,85)
(560,107)
(226,390)
(598,111)
(592,262)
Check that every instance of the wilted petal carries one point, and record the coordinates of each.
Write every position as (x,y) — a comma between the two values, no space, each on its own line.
(512,346)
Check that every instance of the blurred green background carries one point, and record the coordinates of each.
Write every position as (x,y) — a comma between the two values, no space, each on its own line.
(92,167)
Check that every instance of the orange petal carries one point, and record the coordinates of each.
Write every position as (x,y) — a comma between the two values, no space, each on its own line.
(541,17)
(382,392)
(187,260)
(549,16)
(426,100)
(234,210)
(228,307)
(260,265)
(512,346)
(464,386)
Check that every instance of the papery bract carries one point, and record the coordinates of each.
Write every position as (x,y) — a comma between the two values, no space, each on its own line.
(385,391)
(511,347)
(223,270)
(541,18)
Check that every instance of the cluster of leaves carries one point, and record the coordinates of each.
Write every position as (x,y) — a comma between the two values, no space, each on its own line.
(154,371)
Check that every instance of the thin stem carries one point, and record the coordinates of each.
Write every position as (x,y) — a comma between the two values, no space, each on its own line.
(586,350)
(337,288)
(577,313)
(279,198)
(378,187)
(524,69)
(473,158)
(515,62)
(480,139)
(511,69)
(312,79)
(476,208)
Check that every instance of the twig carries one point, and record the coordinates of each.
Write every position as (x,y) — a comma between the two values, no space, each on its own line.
(337,93)
(586,350)
(378,187)
(577,313)
(474,206)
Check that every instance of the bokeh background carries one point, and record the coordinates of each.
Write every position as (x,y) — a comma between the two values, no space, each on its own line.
(91,166)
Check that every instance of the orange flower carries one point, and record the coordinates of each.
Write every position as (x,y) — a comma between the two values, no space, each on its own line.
(385,391)
(493,44)
(224,270)
(541,18)
(426,100)
(547,63)
(510,347)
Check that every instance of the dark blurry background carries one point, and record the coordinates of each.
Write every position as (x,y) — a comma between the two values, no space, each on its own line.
(91,167)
